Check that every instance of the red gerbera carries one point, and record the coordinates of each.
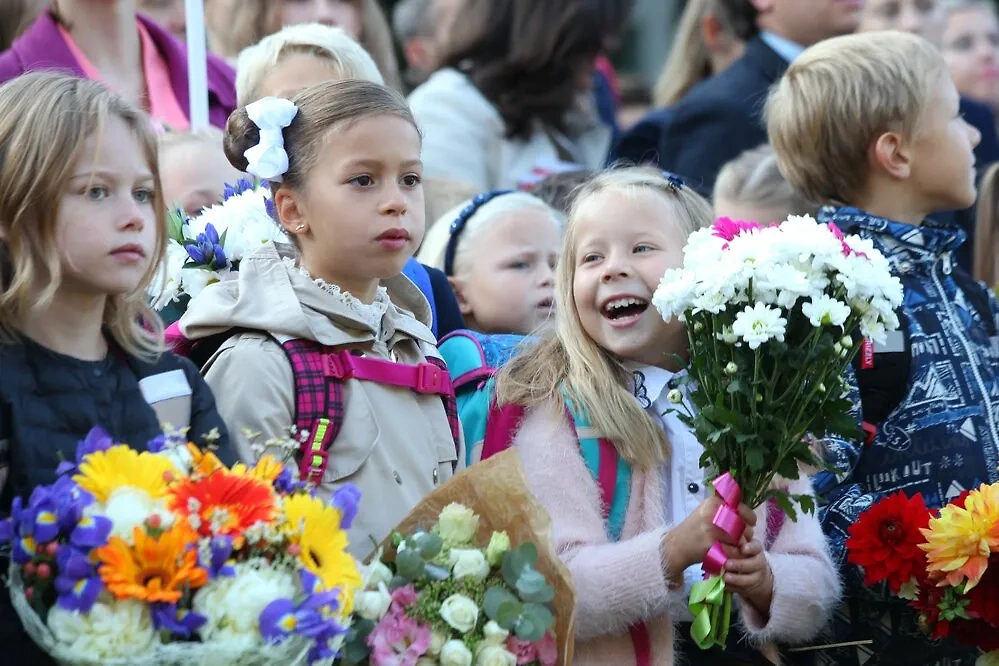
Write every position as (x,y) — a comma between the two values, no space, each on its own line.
(884,541)
(223,504)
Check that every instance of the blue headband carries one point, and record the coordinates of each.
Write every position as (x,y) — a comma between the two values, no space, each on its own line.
(675,182)
(461,222)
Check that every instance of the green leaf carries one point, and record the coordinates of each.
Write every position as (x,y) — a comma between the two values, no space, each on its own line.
(494,599)
(397,582)
(806,502)
(509,614)
(734,386)
(533,587)
(436,572)
(786,505)
(409,564)
(175,225)
(754,459)
(788,468)
(535,620)
(429,545)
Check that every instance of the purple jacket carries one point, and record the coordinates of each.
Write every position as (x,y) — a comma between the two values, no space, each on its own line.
(42,47)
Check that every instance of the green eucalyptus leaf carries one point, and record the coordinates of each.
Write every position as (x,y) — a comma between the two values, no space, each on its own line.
(430,546)
(436,572)
(494,599)
(409,564)
(532,586)
(398,581)
(509,613)
(535,620)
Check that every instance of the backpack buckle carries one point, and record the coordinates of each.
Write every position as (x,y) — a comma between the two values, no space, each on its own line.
(339,365)
(313,466)
(870,432)
(430,379)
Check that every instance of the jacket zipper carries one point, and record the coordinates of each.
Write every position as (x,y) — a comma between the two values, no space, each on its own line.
(972,358)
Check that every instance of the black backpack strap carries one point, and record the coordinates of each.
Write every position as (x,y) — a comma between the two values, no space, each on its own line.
(882,379)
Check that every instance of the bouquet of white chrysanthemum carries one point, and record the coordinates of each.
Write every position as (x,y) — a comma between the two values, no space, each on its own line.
(774,315)
(208,248)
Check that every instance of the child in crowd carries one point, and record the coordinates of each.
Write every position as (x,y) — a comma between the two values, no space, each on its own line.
(498,251)
(443,194)
(986,236)
(82,230)
(557,189)
(612,356)
(871,124)
(303,55)
(194,170)
(751,187)
(327,335)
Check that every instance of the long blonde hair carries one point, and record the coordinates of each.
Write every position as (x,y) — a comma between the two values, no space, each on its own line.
(986,238)
(45,120)
(571,361)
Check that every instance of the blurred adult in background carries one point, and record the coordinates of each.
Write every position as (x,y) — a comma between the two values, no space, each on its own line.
(515,97)
(15,17)
(721,117)
(970,45)
(422,28)
(237,24)
(928,18)
(168,13)
(109,41)
(706,42)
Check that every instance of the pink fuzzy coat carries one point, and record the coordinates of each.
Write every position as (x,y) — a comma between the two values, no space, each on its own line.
(619,584)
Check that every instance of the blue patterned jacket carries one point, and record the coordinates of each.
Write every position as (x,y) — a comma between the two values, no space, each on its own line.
(943,437)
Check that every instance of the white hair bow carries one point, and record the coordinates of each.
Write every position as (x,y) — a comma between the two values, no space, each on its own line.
(268,159)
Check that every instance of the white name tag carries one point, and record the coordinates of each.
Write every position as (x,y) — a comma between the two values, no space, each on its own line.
(894,343)
(165,386)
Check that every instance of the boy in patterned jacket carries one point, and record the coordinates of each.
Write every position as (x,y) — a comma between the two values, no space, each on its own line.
(870,124)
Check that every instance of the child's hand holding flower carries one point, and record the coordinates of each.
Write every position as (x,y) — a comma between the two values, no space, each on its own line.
(748,574)
(688,543)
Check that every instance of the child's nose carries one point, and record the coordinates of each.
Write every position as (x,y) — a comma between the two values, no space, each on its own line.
(395,202)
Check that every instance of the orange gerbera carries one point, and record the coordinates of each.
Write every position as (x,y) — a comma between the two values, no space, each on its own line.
(204,462)
(267,469)
(155,569)
(224,503)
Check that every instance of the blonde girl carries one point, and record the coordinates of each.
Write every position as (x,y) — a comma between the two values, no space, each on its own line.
(333,310)
(613,357)
(194,170)
(82,232)
(498,251)
(751,187)
(986,257)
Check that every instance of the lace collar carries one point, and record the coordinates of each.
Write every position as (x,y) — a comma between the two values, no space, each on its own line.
(371,314)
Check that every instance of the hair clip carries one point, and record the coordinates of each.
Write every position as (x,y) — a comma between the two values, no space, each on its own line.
(461,222)
(675,182)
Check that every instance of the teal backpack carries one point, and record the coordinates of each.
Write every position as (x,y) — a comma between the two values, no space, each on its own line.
(473,360)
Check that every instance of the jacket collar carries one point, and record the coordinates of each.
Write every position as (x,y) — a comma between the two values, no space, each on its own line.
(42,47)
(897,240)
(765,60)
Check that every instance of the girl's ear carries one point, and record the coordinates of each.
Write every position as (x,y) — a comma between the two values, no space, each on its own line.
(291,211)
(463,305)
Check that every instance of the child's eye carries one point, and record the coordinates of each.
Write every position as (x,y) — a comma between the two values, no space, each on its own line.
(363,180)
(519,265)
(643,248)
(144,195)
(97,193)
(590,257)
(411,180)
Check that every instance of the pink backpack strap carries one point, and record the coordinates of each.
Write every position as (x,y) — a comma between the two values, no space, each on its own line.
(501,427)
(775,521)
(320,404)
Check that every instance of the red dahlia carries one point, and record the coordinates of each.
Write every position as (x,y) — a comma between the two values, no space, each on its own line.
(885,541)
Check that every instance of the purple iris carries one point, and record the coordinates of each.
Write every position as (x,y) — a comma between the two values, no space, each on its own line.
(71,500)
(345,499)
(207,250)
(282,618)
(271,208)
(91,532)
(96,440)
(177,621)
(77,584)
(286,483)
(242,185)
(166,442)
(221,558)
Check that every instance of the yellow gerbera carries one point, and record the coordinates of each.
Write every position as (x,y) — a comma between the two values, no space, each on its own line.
(267,469)
(204,463)
(103,472)
(314,527)
(959,542)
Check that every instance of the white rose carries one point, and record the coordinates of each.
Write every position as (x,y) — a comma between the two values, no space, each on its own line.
(128,508)
(495,634)
(494,655)
(454,653)
(437,641)
(233,605)
(469,563)
(377,574)
(373,604)
(460,612)
(111,630)
(457,524)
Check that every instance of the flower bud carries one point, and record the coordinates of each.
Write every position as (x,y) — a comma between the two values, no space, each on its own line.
(44,571)
(821,387)
(675,396)
(698,327)
(759,397)
(51,548)
(847,342)
(731,369)
(29,593)
(838,348)
(29,569)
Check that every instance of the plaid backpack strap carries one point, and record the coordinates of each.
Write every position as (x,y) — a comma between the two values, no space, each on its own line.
(450,408)
(319,405)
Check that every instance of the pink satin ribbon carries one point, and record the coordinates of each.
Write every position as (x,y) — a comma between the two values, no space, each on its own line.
(726,519)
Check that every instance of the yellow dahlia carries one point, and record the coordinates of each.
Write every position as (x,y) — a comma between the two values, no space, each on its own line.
(103,472)
(313,528)
(267,469)
(959,542)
